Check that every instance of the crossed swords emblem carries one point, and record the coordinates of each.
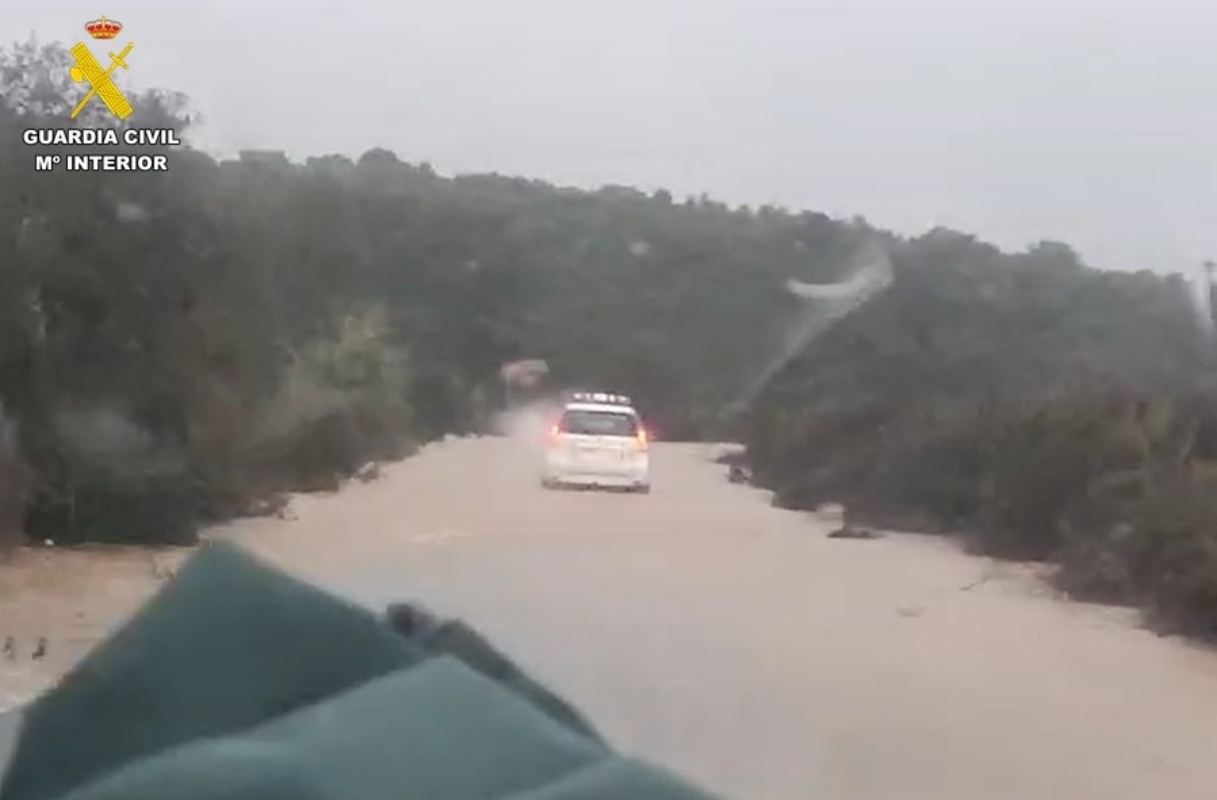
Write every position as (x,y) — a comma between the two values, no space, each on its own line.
(102,85)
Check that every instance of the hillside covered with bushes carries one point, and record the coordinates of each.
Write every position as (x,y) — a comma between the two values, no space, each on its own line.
(177,347)
(1039,408)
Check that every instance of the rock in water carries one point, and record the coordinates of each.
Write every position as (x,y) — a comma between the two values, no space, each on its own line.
(835,515)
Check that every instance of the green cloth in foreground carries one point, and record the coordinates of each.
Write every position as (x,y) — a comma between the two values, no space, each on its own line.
(238,681)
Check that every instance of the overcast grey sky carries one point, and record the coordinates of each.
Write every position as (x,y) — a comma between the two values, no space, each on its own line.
(1090,122)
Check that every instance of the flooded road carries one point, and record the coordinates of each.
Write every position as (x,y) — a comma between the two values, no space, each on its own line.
(737,644)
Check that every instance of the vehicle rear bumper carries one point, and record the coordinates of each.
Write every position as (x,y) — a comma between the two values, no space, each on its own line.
(628,477)
(599,481)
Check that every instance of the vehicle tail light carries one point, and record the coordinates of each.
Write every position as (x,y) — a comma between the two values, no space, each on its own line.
(644,438)
(555,431)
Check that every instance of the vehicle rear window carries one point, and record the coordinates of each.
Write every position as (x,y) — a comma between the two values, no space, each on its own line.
(599,423)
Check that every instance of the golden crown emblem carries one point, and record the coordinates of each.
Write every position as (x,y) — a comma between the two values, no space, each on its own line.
(103,28)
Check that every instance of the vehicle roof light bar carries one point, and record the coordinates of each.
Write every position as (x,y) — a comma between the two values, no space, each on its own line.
(602,397)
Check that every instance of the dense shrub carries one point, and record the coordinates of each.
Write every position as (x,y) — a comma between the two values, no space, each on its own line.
(1088,449)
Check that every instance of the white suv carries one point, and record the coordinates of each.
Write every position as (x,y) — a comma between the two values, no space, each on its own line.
(599,440)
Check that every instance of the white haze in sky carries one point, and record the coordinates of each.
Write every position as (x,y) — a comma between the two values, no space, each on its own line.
(1077,120)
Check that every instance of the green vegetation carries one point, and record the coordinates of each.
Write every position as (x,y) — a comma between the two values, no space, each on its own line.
(1040,409)
(180,346)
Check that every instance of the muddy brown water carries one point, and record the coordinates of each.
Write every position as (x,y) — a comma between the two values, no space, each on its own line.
(737,643)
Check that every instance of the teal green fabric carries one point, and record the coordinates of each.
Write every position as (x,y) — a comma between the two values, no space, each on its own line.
(453,637)
(238,682)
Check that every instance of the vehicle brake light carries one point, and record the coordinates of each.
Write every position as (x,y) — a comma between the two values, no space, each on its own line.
(555,431)
(643,437)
